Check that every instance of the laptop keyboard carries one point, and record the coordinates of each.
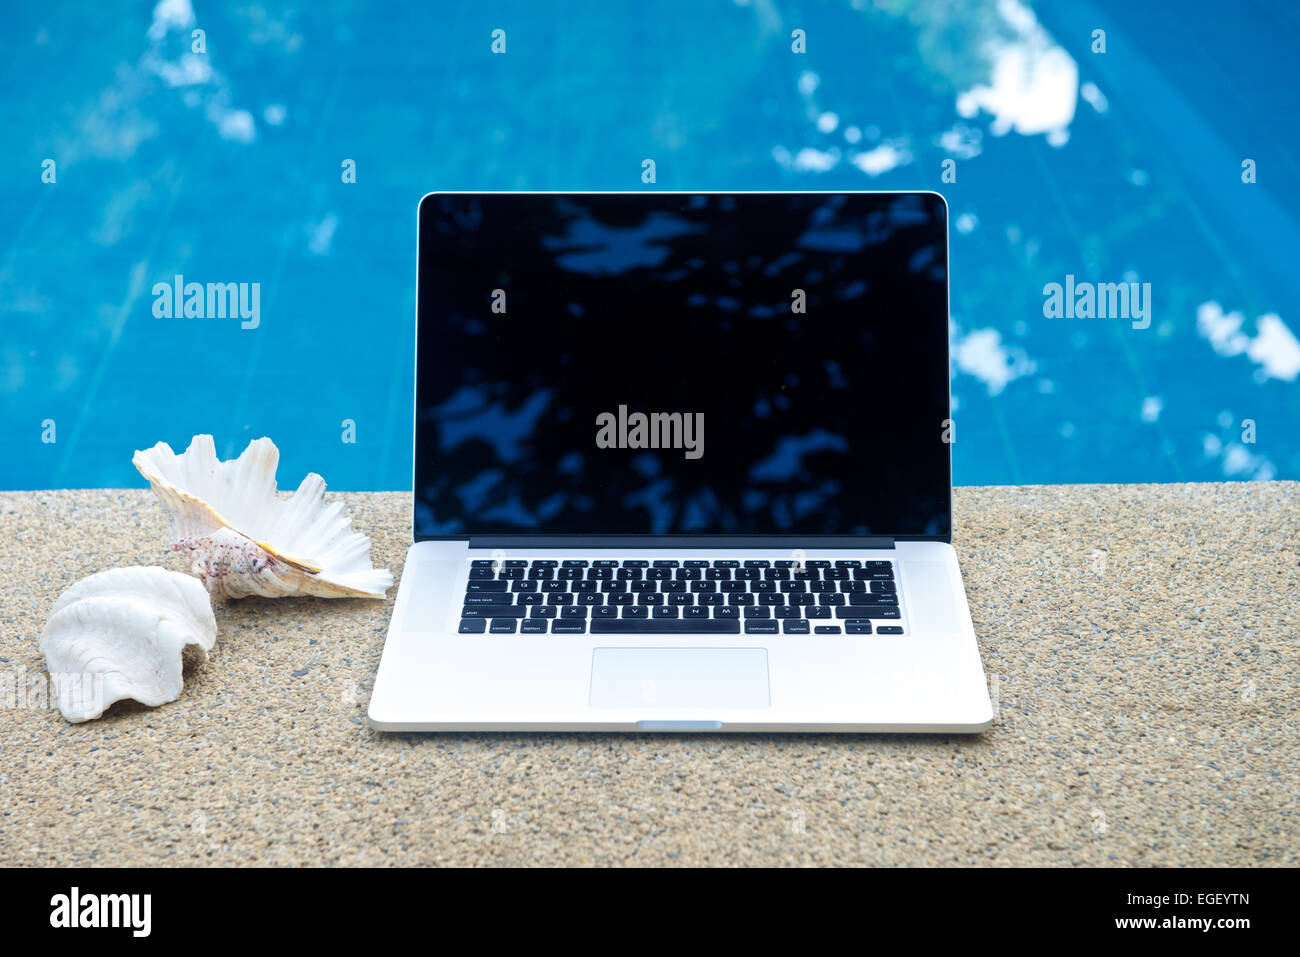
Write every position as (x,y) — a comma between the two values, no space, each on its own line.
(670,596)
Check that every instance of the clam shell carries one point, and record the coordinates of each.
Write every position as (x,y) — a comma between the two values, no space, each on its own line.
(125,633)
(243,539)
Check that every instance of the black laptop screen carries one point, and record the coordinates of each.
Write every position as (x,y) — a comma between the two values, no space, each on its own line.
(663,363)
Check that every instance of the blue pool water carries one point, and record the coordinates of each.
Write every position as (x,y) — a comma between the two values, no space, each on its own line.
(226,166)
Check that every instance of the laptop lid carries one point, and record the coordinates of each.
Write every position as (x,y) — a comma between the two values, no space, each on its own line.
(768,365)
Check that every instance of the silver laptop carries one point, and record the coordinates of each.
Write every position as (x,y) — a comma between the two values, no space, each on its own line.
(682,463)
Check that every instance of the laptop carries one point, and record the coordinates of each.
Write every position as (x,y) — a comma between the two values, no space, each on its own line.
(682,464)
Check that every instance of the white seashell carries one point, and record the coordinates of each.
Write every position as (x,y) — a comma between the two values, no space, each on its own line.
(125,633)
(245,540)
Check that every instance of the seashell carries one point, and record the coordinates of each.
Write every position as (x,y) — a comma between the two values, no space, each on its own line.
(244,540)
(125,633)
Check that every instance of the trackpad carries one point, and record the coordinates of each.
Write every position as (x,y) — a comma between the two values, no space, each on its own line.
(705,678)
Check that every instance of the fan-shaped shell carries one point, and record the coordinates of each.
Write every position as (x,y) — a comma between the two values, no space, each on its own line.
(243,539)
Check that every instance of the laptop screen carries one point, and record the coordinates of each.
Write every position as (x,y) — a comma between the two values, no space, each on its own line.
(682,364)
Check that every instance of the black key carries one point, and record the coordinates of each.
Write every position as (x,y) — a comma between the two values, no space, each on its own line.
(635,563)
(887,566)
(739,598)
(700,586)
(695,611)
(604,611)
(658,574)
(799,600)
(613,586)
(759,587)
(531,599)
(790,588)
(544,563)
(600,574)
(571,574)
(641,587)
(559,627)
(889,630)
(718,574)
(871,598)
(665,611)
(629,574)
(622,598)
(587,587)
(857,627)
(761,627)
(795,627)
(726,613)
(591,599)
(536,574)
(835,574)
(669,588)
(516,563)
(532,626)
(473,626)
(785,563)
(848,564)
(731,586)
(493,611)
(636,611)
(481,563)
(688,574)
(821,587)
(815,611)
(556,598)
(867,611)
(817,563)
(481,573)
(544,611)
(758,563)
(711,598)
(756,611)
(771,598)
(695,563)
(502,626)
(726,563)
(747,574)
(878,587)
(680,626)
(487,586)
(681,600)
(785,611)
(605,563)
(665,563)
(649,598)
(827,630)
(510,574)
(574,563)
(832,599)
(471,600)
(523,586)
(575,611)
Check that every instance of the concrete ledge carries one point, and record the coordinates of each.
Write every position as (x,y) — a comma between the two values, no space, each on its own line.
(1143,642)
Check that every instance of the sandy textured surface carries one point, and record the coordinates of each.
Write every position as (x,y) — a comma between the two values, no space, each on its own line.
(1141,641)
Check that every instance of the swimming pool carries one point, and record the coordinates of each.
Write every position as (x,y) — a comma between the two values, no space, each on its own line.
(290,151)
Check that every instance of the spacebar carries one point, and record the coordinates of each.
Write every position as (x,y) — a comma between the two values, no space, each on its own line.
(664,626)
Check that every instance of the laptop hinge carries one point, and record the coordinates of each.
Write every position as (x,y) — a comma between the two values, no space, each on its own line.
(681,541)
